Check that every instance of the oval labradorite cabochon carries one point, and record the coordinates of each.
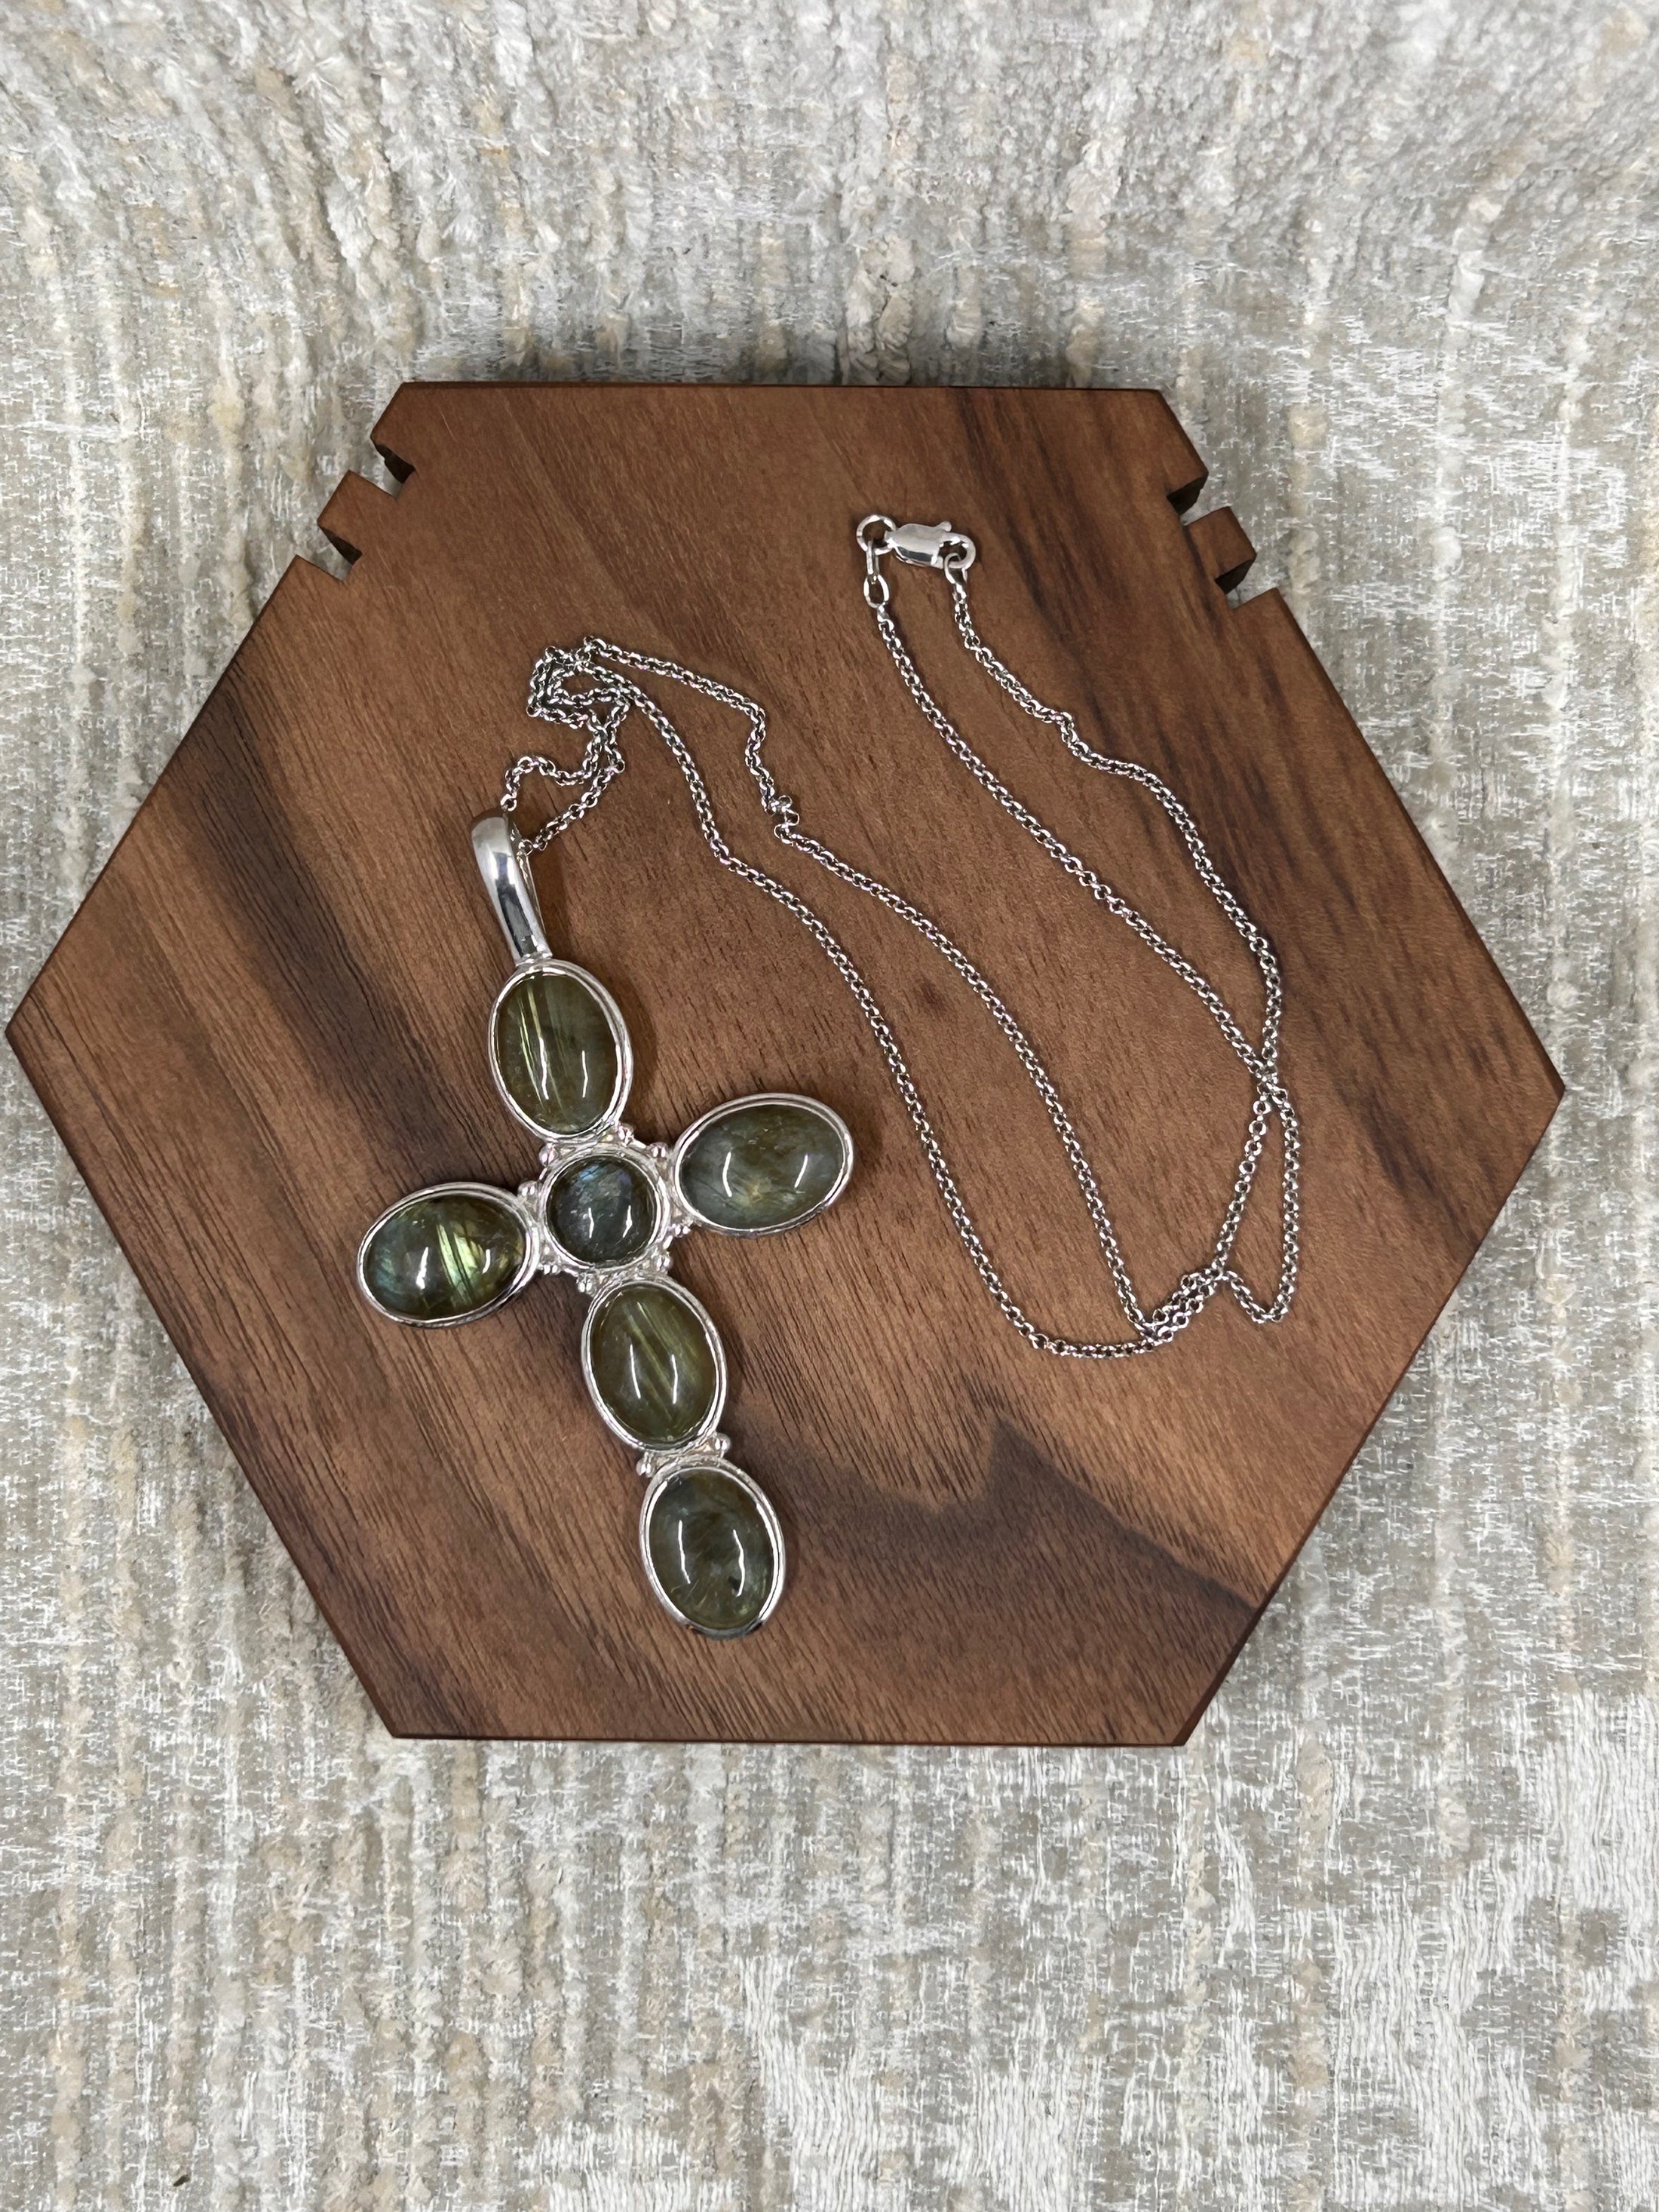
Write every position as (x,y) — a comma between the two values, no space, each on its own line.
(556,1051)
(763,1163)
(710,1552)
(443,1255)
(654,1364)
(602,1211)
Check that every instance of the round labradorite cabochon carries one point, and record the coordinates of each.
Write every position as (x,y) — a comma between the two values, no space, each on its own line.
(711,1553)
(443,1255)
(654,1364)
(602,1211)
(763,1164)
(556,1053)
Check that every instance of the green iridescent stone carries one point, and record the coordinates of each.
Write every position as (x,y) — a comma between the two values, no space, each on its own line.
(654,1364)
(602,1211)
(710,1550)
(444,1254)
(764,1165)
(556,1053)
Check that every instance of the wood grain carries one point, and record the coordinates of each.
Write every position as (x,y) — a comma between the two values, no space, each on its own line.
(267,1020)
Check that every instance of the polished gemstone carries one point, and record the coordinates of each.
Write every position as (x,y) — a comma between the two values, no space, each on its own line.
(763,1164)
(444,1254)
(602,1211)
(710,1550)
(557,1056)
(654,1364)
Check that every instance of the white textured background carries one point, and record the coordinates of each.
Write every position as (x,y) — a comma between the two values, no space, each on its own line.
(1387,1934)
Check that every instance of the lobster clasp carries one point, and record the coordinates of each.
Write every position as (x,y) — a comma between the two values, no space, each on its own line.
(932,545)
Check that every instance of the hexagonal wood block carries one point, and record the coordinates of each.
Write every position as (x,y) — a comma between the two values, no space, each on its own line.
(267,1021)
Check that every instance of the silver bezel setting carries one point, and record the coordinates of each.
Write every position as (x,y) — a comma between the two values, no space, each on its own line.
(596,1130)
(644,1274)
(529,1267)
(502,858)
(625,1147)
(761,1098)
(689,1462)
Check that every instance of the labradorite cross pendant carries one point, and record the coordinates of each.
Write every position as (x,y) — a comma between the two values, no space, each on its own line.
(605,1208)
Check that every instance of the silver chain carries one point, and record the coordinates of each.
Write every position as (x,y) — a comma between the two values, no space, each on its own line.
(582,688)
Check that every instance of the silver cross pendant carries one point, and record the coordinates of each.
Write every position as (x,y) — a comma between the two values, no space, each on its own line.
(605,1208)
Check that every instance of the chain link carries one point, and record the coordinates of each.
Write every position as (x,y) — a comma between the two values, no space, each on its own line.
(583,688)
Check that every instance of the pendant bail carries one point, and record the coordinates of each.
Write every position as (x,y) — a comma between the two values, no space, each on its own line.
(505,868)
